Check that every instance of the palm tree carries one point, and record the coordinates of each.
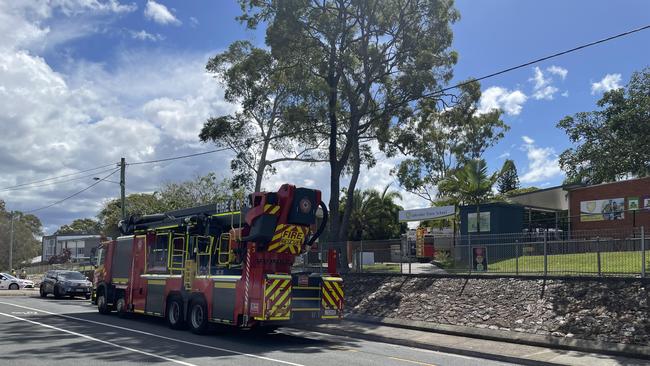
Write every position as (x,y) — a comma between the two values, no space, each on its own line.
(374,215)
(469,184)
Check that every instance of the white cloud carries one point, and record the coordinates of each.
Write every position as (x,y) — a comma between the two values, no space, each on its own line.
(160,14)
(40,25)
(496,97)
(505,155)
(557,70)
(81,116)
(543,162)
(194,22)
(76,7)
(565,94)
(542,88)
(607,83)
(146,36)
(145,105)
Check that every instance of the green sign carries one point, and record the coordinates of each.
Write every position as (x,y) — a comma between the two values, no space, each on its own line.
(633,203)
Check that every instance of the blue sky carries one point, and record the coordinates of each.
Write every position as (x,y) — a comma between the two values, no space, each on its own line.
(87,81)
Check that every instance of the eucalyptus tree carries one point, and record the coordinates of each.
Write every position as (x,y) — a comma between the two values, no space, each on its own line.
(363,64)
(439,140)
(611,142)
(256,133)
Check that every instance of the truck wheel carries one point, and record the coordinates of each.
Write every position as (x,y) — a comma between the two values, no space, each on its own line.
(174,313)
(198,317)
(102,305)
(14,286)
(57,292)
(120,307)
(42,292)
(87,296)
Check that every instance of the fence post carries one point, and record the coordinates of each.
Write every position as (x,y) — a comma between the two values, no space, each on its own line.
(642,252)
(469,251)
(401,257)
(545,256)
(598,256)
(517,257)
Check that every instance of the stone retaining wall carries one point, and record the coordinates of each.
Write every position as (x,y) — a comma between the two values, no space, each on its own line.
(611,311)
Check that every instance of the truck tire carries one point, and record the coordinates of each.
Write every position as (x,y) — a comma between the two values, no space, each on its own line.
(41,291)
(198,319)
(102,304)
(120,306)
(174,313)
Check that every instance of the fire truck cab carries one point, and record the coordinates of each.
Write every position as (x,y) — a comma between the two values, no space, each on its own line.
(224,263)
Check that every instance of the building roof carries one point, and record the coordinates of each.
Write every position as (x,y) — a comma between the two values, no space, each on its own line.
(552,198)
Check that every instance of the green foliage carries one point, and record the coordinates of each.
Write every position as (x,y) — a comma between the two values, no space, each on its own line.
(27,228)
(357,66)
(509,180)
(612,142)
(81,226)
(469,184)
(201,190)
(440,141)
(253,79)
(517,191)
(374,215)
(173,196)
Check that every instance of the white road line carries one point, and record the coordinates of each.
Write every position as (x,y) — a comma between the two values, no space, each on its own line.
(158,336)
(99,340)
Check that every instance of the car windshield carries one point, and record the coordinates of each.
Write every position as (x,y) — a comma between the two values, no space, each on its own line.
(72,276)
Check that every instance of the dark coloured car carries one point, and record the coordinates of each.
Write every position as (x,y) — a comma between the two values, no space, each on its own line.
(65,283)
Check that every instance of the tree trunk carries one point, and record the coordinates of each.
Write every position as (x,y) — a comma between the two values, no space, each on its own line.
(261,167)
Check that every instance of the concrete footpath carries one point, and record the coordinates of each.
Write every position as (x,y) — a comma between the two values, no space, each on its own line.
(22,292)
(473,347)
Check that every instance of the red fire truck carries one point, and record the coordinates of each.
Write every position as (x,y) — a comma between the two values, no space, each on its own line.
(228,264)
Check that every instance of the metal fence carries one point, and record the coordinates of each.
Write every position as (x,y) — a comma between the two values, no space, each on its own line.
(621,252)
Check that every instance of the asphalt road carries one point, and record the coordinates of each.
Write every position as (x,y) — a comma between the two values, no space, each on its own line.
(35,331)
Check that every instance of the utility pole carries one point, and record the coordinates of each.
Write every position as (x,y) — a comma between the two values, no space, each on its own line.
(11,243)
(122,187)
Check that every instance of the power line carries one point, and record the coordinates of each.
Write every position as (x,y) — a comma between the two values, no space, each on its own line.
(57,177)
(57,182)
(557,54)
(74,194)
(586,45)
(179,157)
(220,149)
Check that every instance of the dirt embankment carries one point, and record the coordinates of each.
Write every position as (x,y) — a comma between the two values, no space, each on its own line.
(610,311)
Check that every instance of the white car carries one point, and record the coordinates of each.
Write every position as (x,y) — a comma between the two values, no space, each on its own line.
(8,283)
(11,280)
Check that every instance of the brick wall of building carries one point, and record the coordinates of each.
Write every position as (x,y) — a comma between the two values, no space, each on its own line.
(632,188)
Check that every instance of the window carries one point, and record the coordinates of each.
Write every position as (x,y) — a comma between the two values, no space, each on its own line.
(100,257)
(157,254)
(200,251)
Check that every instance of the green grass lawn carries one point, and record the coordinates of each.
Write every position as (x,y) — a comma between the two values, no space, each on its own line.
(611,262)
(382,267)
